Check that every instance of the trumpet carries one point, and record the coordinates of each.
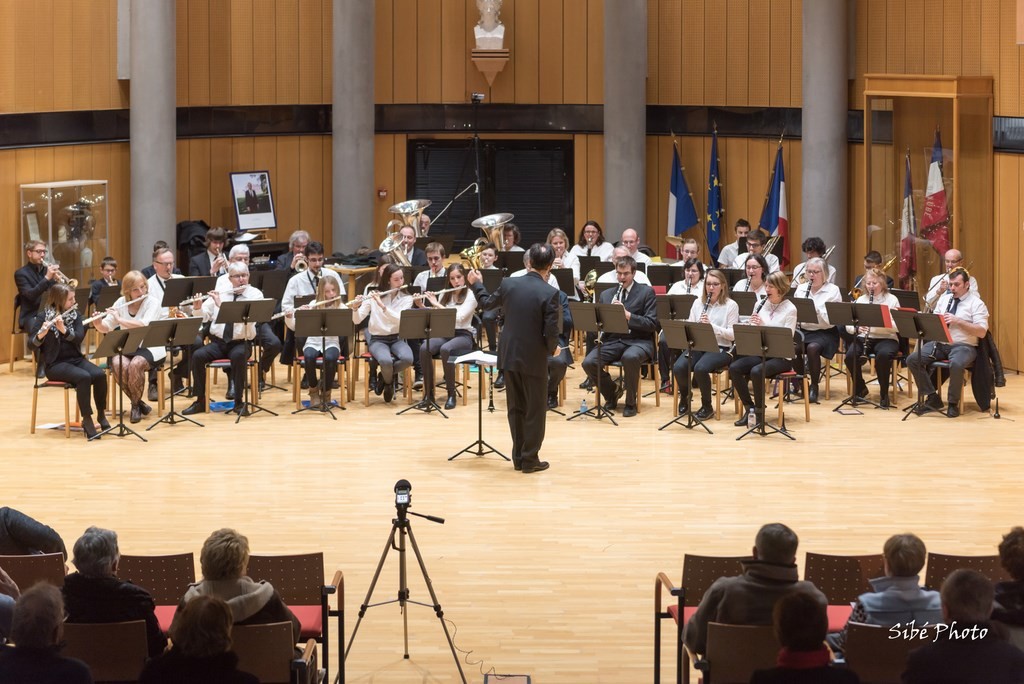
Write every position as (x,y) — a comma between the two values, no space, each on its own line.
(61,278)
(438,293)
(97,316)
(204,297)
(311,305)
(50,322)
(299,263)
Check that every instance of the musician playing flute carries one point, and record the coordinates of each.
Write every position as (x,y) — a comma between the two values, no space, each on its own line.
(313,347)
(57,332)
(464,303)
(391,353)
(133,309)
(715,307)
(775,311)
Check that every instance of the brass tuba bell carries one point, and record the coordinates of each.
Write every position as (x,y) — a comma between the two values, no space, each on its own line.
(493,226)
(392,246)
(409,215)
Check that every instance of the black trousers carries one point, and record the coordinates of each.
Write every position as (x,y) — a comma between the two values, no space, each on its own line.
(237,351)
(526,397)
(884,351)
(557,366)
(331,355)
(85,376)
(749,368)
(704,363)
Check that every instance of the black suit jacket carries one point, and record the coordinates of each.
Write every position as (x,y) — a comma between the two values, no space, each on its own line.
(419,257)
(95,287)
(532,322)
(200,264)
(642,305)
(32,285)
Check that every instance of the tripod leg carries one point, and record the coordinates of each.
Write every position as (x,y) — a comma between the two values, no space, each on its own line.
(403,591)
(373,583)
(436,605)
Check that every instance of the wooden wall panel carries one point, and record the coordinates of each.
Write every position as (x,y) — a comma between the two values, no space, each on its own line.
(738,54)
(550,59)
(504,88)
(1005,303)
(405,41)
(693,53)
(1007,85)
(970,49)
(428,51)
(243,69)
(264,38)
(199,71)
(951,49)
(199,182)
(581,185)
(760,39)
(876,28)
(183,150)
(286,61)
(895,51)
(779,59)
(796,82)
(326,188)
(311,53)
(575,52)
(527,49)
(913,41)
(182,56)
(311,170)
(286,185)
(384,177)
(653,27)
(933,26)
(716,54)
(68,75)
(595,51)
(8,58)
(327,47)
(454,46)
(670,72)
(221,212)
(220,51)
(595,185)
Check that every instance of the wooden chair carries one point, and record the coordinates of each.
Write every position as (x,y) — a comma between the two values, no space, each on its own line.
(874,655)
(225,366)
(699,573)
(941,565)
(114,651)
(268,651)
(299,368)
(842,579)
(299,580)
(68,388)
(735,651)
(365,358)
(29,570)
(166,578)
(15,331)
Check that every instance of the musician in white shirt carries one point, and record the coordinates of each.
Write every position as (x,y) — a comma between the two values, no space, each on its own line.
(821,339)
(435,265)
(270,343)
(732,250)
(755,246)
(563,257)
(384,309)
(631,241)
(882,342)
(592,243)
(693,279)
(939,284)
(612,277)
(320,346)
(227,341)
(966,317)
(464,303)
(163,265)
(757,275)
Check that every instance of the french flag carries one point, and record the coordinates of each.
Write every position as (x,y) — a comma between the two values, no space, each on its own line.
(936,214)
(681,212)
(775,217)
(908,230)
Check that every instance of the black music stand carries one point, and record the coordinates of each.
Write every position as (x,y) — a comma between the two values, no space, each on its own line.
(108,295)
(323,323)
(691,337)
(856,315)
(115,343)
(247,311)
(426,324)
(436,283)
(768,342)
(674,307)
(272,284)
(492,278)
(925,327)
(746,301)
(170,333)
(598,319)
(566,281)
(481,360)
(908,299)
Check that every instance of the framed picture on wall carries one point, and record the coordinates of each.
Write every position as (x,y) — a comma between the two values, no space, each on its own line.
(32,225)
(253,200)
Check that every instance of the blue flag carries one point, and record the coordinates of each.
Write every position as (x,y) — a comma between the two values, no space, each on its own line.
(714,216)
(681,212)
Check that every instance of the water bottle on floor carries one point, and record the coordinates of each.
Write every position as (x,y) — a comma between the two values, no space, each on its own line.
(751,419)
(583,406)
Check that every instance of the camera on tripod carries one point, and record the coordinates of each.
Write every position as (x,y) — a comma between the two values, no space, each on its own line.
(403,493)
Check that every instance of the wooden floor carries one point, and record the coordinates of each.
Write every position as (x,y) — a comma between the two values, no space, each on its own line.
(549,574)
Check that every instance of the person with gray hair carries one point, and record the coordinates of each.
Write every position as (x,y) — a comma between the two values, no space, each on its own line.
(749,598)
(296,245)
(38,629)
(966,649)
(95,594)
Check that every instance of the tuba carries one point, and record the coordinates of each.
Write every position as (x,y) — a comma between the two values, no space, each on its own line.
(493,226)
(409,212)
(392,246)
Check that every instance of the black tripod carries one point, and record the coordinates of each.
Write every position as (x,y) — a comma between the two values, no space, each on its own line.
(171,333)
(400,527)
(599,319)
(480,360)
(118,343)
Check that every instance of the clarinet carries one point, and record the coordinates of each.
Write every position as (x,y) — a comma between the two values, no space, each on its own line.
(760,305)
(618,295)
(807,292)
(949,307)
(747,288)
(864,340)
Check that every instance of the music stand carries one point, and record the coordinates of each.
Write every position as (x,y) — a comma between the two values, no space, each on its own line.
(247,311)
(858,316)
(768,342)
(115,343)
(492,278)
(510,261)
(566,281)
(908,299)
(674,307)
(108,295)
(925,327)
(481,360)
(323,323)
(170,333)
(598,319)
(436,283)
(734,275)
(691,337)
(745,301)
(426,324)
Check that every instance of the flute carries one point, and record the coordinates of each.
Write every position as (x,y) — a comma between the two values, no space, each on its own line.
(204,297)
(311,305)
(438,293)
(101,314)
(50,322)
(362,298)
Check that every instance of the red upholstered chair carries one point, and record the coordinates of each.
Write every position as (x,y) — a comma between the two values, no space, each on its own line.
(28,570)
(299,580)
(699,573)
(842,579)
(166,578)
(940,566)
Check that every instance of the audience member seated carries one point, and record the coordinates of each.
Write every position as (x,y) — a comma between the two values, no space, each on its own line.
(897,597)
(8,595)
(967,650)
(800,622)
(1009,602)
(202,648)
(21,535)
(749,598)
(95,594)
(224,561)
(38,629)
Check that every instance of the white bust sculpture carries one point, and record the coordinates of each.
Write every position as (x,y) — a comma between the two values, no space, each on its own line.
(489,31)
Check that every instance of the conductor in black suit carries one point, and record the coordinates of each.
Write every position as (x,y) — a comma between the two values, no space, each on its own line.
(530,336)
(632,349)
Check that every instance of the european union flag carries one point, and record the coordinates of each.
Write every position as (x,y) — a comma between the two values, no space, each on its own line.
(714,216)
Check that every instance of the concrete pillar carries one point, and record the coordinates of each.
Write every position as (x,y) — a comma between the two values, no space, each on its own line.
(352,125)
(152,129)
(625,116)
(824,147)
